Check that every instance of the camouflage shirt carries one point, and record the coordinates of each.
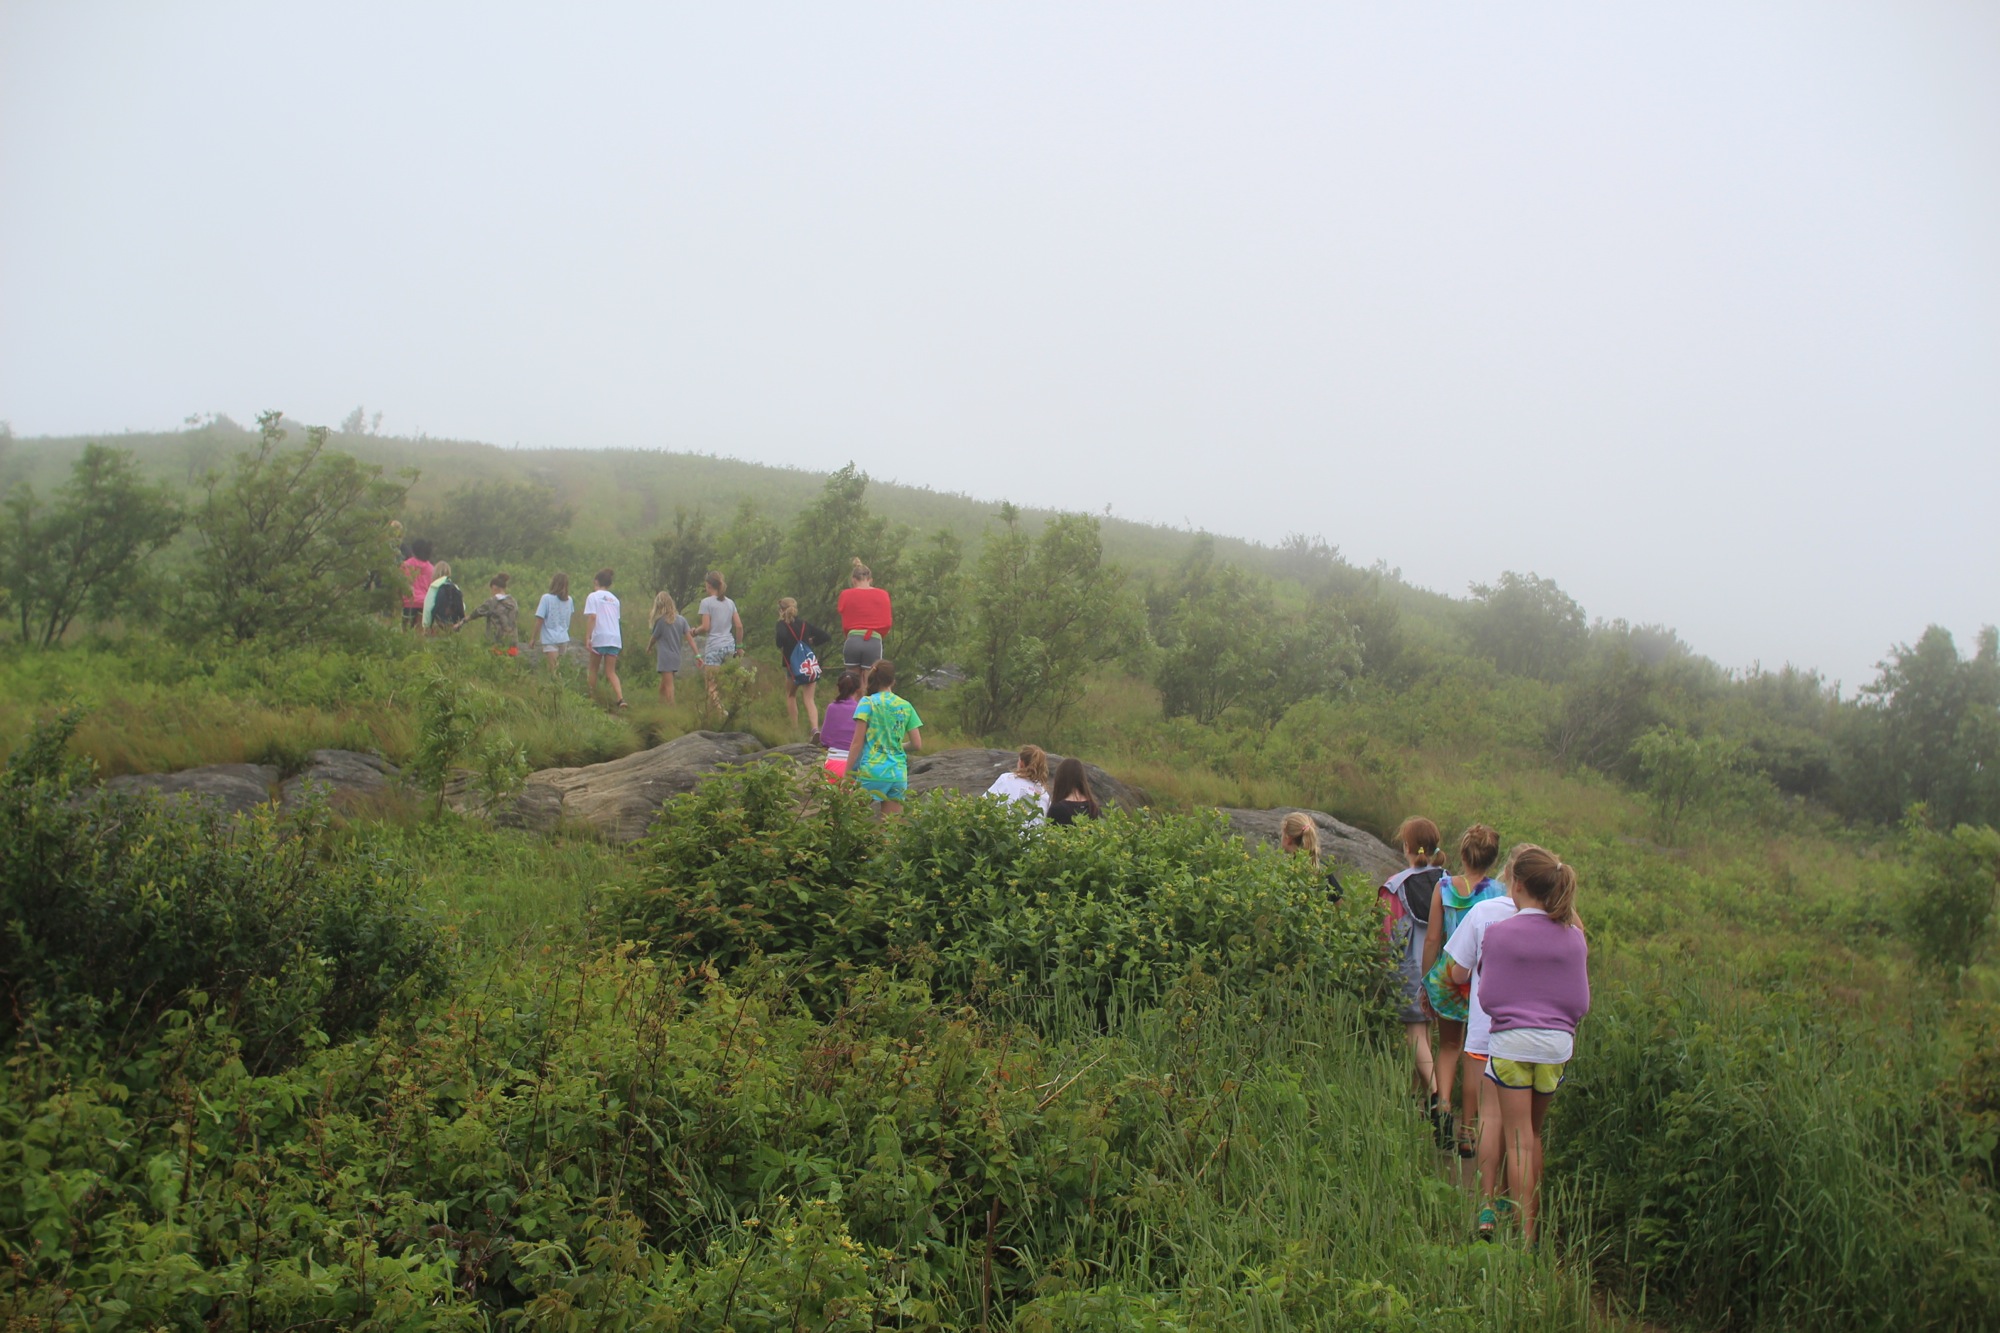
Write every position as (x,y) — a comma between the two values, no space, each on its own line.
(502,614)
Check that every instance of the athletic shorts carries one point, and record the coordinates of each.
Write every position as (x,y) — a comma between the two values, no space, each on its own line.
(1474,1055)
(1519,1075)
(884,789)
(608,651)
(412,616)
(862,651)
(836,764)
(717,650)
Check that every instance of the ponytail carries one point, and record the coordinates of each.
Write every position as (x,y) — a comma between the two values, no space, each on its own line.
(858,571)
(1541,874)
(1299,825)
(1420,838)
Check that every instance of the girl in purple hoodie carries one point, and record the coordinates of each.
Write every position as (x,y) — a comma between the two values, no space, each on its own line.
(1534,983)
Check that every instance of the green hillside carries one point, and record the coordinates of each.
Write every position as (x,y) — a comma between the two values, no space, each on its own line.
(781,1066)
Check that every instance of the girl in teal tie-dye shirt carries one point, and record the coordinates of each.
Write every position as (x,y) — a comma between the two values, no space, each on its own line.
(886,729)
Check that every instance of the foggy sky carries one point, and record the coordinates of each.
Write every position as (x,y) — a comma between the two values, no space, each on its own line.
(1694,308)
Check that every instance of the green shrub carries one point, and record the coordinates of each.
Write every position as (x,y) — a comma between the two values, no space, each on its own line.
(119,908)
(1773,1164)
(1947,902)
(962,892)
(604,1141)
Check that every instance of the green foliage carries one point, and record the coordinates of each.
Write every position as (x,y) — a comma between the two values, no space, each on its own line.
(1929,732)
(1691,777)
(828,535)
(960,892)
(1528,625)
(117,909)
(83,553)
(496,521)
(1947,902)
(448,723)
(681,558)
(930,604)
(1043,613)
(499,770)
(293,543)
(613,1140)
(1223,643)
(1763,1164)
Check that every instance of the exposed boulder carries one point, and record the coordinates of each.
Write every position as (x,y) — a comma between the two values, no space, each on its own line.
(235,788)
(621,798)
(340,776)
(1343,844)
(973,770)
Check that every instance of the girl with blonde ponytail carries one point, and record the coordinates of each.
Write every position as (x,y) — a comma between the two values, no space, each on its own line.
(1534,983)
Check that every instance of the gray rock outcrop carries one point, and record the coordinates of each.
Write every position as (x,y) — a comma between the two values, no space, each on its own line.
(233,788)
(1344,844)
(621,798)
(340,776)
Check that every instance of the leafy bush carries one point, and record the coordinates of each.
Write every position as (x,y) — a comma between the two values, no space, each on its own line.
(962,892)
(119,908)
(1948,900)
(294,543)
(608,1142)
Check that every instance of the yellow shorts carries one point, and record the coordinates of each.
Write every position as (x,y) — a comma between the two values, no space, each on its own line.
(1522,1076)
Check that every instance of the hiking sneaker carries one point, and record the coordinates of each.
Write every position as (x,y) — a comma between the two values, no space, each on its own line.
(1489,1222)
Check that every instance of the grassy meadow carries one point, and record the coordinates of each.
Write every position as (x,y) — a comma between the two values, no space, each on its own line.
(780,1067)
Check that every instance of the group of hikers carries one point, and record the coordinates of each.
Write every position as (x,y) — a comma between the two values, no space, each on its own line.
(1496,970)
(1492,970)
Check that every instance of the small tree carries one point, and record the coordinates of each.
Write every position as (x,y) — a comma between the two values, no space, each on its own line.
(1043,613)
(1528,625)
(294,542)
(83,553)
(930,603)
(828,535)
(1689,775)
(682,555)
(1948,898)
(447,727)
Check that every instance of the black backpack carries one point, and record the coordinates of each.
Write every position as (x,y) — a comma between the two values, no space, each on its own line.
(1418,890)
(449,608)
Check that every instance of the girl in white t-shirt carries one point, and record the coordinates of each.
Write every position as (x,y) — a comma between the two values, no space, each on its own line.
(1463,949)
(552,619)
(1028,782)
(605,636)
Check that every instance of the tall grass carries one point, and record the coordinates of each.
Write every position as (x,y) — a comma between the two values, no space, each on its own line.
(1758,1162)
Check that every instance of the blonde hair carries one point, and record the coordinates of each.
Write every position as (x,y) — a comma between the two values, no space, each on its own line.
(1420,837)
(788,609)
(1033,764)
(1478,849)
(441,570)
(1541,874)
(857,571)
(663,608)
(1299,824)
